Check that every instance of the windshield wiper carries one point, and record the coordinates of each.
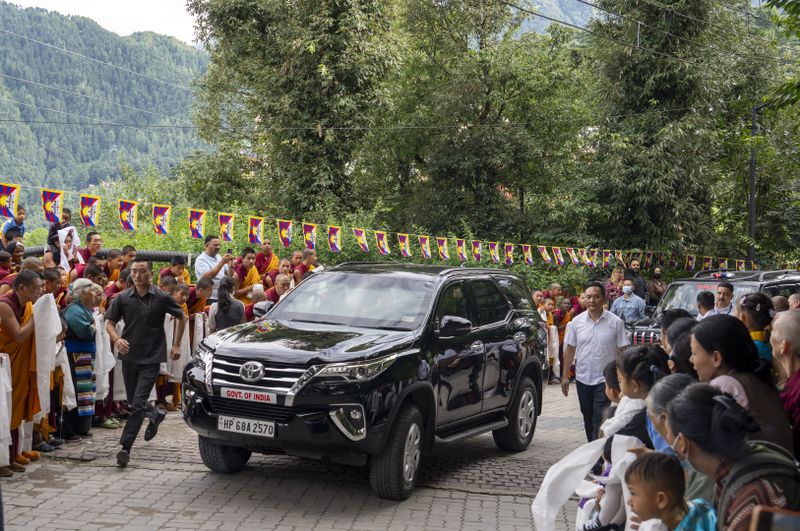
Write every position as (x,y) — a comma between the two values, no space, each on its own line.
(393,328)
(316,322)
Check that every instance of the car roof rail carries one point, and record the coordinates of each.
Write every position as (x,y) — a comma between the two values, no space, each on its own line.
(779,273)
(737,275)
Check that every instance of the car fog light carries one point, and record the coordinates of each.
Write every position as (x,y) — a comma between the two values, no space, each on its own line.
(355,414)
(349,418)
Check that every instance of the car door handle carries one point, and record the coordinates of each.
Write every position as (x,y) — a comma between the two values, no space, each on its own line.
(478,347)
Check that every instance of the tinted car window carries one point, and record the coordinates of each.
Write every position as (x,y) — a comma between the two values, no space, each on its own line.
(491,305)
(453,302)
(684,295)
(515,291)
(782,289)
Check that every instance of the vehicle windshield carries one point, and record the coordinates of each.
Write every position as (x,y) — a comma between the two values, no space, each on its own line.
(684,295)
(362,300)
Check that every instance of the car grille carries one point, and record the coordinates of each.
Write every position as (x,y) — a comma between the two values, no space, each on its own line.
(278,377)
(241,408)
(646,337)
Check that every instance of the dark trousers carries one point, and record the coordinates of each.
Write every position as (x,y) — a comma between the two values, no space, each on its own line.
(139,381)
(593,401)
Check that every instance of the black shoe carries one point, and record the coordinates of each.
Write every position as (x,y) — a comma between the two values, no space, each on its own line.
(123,456)
(56,441)
(152,428)
(71,438)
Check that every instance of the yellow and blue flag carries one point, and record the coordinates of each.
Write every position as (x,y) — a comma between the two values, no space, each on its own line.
(197,223)
(255,230)
(127,214)
(225,220)
(9,198)
(52,204)
(161,216)
(334,238)
(310,235)
(361,240)
(90,210)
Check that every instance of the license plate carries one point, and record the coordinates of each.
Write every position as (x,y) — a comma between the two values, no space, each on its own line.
(248,395)
(260,428)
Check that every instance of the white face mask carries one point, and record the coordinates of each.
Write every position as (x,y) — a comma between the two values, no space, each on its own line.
(627,289)
(685,463)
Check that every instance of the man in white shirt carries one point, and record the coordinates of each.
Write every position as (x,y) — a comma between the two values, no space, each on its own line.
(211,265)
(724,304)
(593,339)
(705,303)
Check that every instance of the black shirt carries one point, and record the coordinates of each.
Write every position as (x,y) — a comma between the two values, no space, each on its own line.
(144,323)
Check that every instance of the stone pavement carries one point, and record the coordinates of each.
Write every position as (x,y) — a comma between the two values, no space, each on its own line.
(471,485)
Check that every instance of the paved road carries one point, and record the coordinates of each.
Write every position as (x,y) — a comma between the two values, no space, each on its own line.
(469,486)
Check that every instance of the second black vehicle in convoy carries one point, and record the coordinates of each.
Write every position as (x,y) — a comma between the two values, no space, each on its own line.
(372,364)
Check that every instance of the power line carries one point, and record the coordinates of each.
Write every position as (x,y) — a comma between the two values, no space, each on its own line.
(98,61)
(78,94)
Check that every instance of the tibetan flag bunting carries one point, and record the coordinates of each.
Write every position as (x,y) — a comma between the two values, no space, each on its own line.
(527,253)
(404,244)
(310,235)
(706,262)
(749,266)
(9,198)
(90,210)
(494,252)
(161,215)
(722,263)
(127,214)
(334,238)
(255,230)
(582,255)
(197,223)
(382,242)
(461,249)
(673,260)
(361,240)
(52,204)
(425,246)
(509,252)
(690,262)
(477,249)
(606,259)
(545,255)
(285,232)
(225,226)
(648,260)
(558,256)
(592,255)
(444,252)
(739,265)
(573,256)
(619,258)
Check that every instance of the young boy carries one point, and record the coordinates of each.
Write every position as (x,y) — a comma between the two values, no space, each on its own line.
(199,294)
(177,269)
(657,486)
(52,285)
(549,306)
(167,283)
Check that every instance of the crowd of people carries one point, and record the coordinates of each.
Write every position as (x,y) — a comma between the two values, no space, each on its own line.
(95,338)
(694,433)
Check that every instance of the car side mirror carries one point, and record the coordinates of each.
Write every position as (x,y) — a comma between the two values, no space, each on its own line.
(260,309)
(453,326)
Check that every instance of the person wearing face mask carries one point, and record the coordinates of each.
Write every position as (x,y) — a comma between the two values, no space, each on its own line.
(709,429)
(630,307)
(655,288)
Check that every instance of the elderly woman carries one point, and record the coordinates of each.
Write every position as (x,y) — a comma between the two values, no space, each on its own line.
(80,345)
(17,252)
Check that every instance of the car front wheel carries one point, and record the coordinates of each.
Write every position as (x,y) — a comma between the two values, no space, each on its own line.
(517,436)
(393,472)
(221,458)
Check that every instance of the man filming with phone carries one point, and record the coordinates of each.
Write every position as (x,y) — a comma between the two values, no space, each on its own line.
(211,265)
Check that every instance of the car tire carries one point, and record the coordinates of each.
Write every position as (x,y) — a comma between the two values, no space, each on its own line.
(221,458)
(522,415)
(390,472)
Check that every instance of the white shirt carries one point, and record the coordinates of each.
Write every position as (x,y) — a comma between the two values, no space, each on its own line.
(204,263)
(596,344)
(717,311)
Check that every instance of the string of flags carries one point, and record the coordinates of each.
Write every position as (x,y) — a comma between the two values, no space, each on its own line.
(160,215)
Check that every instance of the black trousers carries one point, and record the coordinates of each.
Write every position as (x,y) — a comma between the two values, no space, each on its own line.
(593,401)
(139,382)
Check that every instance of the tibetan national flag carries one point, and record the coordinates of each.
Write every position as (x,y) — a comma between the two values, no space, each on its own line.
(706,262)
(382,242)
(461,249)
(161,215)
(225,226)
(690,261)
(648,260)
(197,223)
(444,252)
(606,259)
(558,256)
(494,252)
(527,253)
(9,198)
(509,252)
(255,230)
(90,210)
(544,254)
(739,265)
(619,258)
(361,240)
(673,260)
(285,232)
(334,238)
(591,254)
(583,256)
(477,249)
(52,204)
(573,256)
(310,235)
(425,246)
(404,244)
(127,214)
(722,263)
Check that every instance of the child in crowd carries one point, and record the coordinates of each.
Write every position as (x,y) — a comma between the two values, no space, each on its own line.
(756,311)
(5,264)
(549,306)
(657,486)
(613,392)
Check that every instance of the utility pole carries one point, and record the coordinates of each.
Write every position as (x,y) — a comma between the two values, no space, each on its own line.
(751,204)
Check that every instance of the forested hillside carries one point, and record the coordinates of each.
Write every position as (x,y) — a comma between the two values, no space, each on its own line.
(45,91)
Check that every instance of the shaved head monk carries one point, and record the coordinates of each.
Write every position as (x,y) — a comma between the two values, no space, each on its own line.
(29,264)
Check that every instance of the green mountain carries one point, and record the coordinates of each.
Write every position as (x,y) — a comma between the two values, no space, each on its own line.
(570,11)
(45,92)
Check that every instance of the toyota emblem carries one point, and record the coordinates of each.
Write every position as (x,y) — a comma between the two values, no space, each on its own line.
(252,371)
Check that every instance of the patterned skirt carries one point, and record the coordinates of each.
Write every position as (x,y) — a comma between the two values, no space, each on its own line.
(83,356)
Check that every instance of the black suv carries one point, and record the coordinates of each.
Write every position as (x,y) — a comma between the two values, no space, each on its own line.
(373,364)
(683,294)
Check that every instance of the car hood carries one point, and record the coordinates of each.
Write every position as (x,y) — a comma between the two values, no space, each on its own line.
(306,343)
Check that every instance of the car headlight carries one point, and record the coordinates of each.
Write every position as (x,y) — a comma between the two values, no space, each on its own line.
(356,371)
(203,356)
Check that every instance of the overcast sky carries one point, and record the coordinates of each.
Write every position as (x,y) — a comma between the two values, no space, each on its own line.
(127,16)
